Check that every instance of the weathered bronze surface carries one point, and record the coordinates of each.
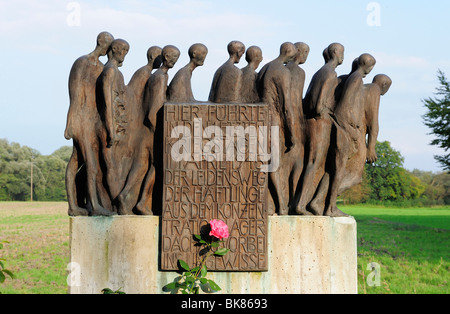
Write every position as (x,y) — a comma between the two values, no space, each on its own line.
(85,191)
(227,82)
(206,178)
(316,143)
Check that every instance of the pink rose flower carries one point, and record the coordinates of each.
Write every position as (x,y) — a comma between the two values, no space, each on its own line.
(219,229)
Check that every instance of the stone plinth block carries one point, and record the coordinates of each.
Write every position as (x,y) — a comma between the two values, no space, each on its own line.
(306,255)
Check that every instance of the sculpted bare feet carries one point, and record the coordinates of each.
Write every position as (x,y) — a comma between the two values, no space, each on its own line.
(335,212)
(302,211)
(78,211)
(100,211)
(315,208)
(143,210)
(284,211)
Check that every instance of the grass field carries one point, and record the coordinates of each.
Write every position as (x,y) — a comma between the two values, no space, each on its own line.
(412,247)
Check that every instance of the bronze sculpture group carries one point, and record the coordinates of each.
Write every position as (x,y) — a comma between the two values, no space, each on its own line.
(326,136)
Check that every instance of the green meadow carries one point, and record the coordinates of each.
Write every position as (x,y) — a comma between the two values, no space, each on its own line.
(411,247)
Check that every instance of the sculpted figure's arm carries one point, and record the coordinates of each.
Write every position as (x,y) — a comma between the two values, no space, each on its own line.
(325,95)
(288,109)
(158,97)
(108,79)
(237,90)
(372,129)
(75,89)
(382,83)
(212,93)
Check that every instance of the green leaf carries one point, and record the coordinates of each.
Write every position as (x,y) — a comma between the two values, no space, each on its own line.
(198,237)
(206,288)
(9,273)
(184,265)
(2,277)
(204,271)
(222,252)
(214,286)
(178,279)
(171,286)
(215,244)
(109,291)
(203,281)
(194,270)
(190,279)
(182,285)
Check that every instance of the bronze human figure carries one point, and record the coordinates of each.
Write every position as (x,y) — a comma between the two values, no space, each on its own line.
(318,107)
(85,128)
(136,86)
(136,148)
(113,104)
(249,91)
(366,152)
(180,89)
(324,139)
(154,99)
(294,159)
(372,93)
(274,85)
(343,79)
(369,132)
(156,89)
(227,82)
(349,115)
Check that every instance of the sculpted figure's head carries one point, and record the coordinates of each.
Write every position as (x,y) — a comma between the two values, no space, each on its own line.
(302,53)
(198,53)
(366,63)
(287,52)
(355,65)
(154,57)
(325,55)
(104,41)
(383,81)
(119,49)
(236,50)
(254,56)
(170,55)
(336,53)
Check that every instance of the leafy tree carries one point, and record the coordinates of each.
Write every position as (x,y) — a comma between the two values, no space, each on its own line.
(437,118)
(359,193)
(48,173)
(440,187)
(389,181)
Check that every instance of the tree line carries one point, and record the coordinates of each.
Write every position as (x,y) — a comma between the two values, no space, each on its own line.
(385,181)
(22,165)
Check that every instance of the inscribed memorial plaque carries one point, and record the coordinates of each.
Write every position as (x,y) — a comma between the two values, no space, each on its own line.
(214,165)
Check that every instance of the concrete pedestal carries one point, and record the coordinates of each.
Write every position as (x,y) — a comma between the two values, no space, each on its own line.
(306,255)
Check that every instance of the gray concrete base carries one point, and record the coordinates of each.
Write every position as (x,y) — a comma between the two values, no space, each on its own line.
(306,255)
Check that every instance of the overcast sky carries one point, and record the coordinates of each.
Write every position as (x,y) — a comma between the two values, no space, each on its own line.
(40,40)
